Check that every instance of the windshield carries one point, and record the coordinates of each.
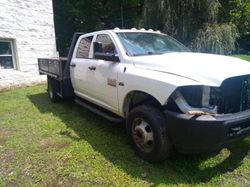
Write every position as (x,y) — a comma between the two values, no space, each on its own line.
(140,43)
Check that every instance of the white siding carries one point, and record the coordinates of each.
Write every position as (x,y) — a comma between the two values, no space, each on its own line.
(30,23)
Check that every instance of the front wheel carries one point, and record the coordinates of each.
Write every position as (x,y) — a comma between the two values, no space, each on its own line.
(146,128)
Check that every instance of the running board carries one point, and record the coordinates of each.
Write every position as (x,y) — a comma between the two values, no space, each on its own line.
(101,112)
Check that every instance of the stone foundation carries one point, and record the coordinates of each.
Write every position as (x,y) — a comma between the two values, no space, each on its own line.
(11,79)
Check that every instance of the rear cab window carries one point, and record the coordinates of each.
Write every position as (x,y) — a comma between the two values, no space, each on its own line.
(84,47)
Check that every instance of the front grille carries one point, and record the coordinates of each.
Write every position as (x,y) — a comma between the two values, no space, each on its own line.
(233,95)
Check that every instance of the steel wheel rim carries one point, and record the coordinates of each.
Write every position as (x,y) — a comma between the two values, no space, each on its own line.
(143,135)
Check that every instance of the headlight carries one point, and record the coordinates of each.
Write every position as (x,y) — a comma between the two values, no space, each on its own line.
(232,96)
(196,98)
(201,96)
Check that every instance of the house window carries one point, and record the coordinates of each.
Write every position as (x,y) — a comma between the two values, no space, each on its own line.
(7,59)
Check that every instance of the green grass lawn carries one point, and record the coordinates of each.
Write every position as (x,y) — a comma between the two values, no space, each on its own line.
(244,57)
(47,144)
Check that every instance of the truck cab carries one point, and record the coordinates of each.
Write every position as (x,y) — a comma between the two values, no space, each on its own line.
(96,79)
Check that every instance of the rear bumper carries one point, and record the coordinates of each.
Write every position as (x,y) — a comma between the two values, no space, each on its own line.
(195,134)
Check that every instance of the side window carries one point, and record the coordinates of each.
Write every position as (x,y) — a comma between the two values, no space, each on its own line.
(84,47)
(107,44)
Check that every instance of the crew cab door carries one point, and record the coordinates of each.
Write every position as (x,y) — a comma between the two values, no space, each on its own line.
(103,76)
(79,65)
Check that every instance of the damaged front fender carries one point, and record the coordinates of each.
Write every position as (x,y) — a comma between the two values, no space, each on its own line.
(232,96)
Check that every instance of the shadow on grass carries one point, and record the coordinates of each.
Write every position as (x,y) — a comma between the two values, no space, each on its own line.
(110,140)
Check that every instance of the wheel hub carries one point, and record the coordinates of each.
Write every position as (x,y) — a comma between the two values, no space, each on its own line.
(143,135)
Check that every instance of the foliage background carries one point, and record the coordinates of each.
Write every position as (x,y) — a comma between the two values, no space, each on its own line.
(211,26)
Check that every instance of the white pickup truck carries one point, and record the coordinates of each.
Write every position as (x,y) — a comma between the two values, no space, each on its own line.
(170,98)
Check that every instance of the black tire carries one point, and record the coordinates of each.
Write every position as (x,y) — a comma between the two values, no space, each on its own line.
(52,90)
(147,131)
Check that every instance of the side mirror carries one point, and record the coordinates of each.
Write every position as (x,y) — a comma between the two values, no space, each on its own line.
(98,53)
(107,56)
(97,47)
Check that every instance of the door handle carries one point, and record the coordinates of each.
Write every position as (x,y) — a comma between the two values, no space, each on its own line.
(92,68)
(73,65)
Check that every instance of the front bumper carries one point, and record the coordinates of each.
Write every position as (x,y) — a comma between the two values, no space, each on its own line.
(195,134)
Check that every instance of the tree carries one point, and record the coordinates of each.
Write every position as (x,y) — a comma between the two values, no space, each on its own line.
(238,12)
(215,38)
(179,17)
(90,15)
(75,16)
(200,24)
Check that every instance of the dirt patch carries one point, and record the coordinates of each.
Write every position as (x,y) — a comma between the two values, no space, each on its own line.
(5,165)
(5,133)
(46,143)
(49,143)
(61,145)
(11,184)
(2,141)
(7,156)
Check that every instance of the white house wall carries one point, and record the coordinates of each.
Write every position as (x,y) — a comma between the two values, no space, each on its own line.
(30,24)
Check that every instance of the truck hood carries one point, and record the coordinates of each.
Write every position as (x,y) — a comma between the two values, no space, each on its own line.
(206,69)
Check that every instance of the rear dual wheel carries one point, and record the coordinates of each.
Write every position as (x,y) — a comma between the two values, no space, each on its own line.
(146,127)
(52,90)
